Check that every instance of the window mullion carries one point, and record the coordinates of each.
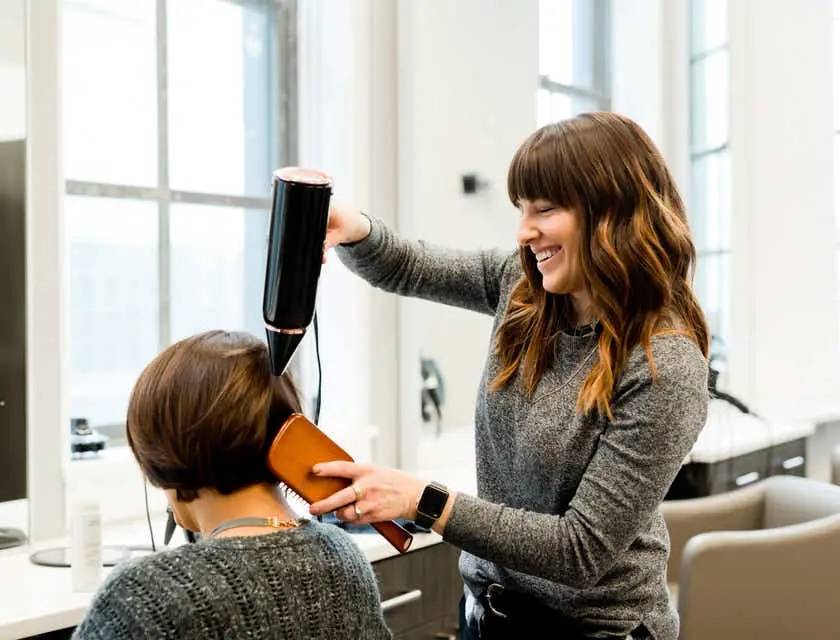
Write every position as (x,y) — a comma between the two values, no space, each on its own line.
(285,81)
(164,253)
(131,192)
(575,91)
(601,52)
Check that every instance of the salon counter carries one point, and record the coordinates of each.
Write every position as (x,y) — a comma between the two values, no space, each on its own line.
(38,600)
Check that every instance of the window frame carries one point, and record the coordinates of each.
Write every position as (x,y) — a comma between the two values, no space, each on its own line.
(283,104)
(699,153)
(600,49)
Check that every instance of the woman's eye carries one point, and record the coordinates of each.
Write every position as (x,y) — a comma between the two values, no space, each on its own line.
(545,209)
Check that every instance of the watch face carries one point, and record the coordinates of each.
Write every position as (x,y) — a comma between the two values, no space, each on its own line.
(433,500)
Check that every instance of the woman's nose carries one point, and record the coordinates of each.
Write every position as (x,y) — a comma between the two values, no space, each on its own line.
(526,233)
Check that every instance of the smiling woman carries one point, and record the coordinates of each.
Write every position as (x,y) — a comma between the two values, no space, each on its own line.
(596,188)
(552,233)
(597,373)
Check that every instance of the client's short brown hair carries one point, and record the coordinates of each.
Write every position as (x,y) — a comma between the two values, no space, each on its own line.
(204,412)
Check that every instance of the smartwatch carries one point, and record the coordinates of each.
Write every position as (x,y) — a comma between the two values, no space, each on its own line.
(431,504)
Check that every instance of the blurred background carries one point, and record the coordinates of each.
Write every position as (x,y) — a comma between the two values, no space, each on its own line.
(145,133)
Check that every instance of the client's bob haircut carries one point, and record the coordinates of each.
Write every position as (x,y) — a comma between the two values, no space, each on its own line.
(204,412)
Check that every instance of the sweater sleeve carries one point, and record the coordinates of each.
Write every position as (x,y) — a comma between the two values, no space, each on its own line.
(656,423)
(364,596)
(468,279)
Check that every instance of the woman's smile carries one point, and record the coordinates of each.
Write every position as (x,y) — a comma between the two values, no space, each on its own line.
(547,258)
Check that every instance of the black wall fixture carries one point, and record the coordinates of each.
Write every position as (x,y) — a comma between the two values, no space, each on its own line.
(473,183)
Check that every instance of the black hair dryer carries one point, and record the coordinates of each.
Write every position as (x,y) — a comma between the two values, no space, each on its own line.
(300,209)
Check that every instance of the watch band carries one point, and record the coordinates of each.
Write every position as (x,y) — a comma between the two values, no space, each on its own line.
(423,521)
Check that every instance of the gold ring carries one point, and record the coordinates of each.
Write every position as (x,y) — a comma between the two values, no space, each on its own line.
(357,511)
(357,491)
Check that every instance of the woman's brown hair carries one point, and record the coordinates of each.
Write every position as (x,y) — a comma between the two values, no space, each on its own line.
(204,412)
(636,252)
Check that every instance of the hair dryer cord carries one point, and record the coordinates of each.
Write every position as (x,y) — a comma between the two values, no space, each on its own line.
(318,363)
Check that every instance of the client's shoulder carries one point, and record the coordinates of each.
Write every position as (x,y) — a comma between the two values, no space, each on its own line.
(138,581)
(148,571)
(344,550)
(335,537)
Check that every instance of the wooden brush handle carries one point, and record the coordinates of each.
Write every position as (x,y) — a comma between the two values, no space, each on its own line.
(396,534)
(298,446)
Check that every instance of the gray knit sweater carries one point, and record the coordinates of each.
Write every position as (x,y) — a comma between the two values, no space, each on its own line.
(567,506)
(308,583)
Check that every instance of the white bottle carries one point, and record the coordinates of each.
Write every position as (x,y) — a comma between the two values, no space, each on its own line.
(86,544)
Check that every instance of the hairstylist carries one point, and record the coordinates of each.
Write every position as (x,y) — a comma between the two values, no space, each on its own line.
(593,393)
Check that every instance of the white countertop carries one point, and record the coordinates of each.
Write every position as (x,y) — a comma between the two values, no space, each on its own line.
(729,433)
(36,599)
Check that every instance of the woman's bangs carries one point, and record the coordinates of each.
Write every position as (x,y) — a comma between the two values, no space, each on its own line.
(540,170)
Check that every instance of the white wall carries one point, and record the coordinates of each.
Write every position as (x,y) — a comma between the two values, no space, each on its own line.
(13,31)
(347,123)
(467,99)
(650,74)
(785,301)
(397,107)
(637,69)
(783,354)
(12,69)
(452,118)
(46,283)
(332,133)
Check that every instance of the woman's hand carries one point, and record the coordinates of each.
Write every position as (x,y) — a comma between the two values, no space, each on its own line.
(376,495)
(346,225)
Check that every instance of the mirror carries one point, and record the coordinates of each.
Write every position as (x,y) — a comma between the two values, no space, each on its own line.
(13,454)
(62,556)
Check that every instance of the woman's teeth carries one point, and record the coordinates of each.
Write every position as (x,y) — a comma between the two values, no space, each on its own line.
(545,255)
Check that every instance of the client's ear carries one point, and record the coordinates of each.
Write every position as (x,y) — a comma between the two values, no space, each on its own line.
(180,511)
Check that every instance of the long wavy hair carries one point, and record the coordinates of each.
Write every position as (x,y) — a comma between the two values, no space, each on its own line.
(636,253)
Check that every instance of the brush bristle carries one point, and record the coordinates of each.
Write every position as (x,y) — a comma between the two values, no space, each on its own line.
(295,497)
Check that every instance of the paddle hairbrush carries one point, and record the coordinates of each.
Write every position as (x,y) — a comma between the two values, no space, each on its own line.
(297,447)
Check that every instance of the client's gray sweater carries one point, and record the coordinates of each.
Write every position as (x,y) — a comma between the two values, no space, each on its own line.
(568,503)
(308,583)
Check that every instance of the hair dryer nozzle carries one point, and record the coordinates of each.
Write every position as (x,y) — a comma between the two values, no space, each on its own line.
(281,348)
(297,230)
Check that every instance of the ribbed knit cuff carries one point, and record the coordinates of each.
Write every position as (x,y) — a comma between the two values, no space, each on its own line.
(369,244)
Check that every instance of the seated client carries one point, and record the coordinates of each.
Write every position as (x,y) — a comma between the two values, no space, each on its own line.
(200,420)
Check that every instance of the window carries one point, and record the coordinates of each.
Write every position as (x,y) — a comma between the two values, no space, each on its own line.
(710,200)
(170,139)
(573,58)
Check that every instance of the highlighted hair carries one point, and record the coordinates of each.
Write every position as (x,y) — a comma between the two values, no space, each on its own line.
(636,253)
